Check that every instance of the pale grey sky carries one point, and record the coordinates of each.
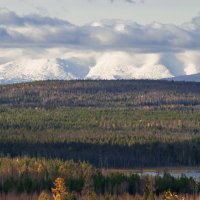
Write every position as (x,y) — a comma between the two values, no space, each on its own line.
(84,11)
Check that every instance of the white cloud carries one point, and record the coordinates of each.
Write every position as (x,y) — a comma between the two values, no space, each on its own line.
(124,48)
(10,18)
(36,30)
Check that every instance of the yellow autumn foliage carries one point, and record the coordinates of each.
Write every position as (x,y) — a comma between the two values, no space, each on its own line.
(59,191)
(171,196)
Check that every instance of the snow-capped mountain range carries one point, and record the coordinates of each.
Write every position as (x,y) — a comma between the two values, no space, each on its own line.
(35,47)
(25,70)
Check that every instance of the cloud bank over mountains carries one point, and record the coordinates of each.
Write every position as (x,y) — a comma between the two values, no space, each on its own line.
(104,49)
(36,30)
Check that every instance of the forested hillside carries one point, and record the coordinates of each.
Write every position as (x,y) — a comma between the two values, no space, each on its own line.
(111,124)
(87,93)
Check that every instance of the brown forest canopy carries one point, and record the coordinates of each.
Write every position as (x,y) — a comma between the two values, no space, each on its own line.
(100,93)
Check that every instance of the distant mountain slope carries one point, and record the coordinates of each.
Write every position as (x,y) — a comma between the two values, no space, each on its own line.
(191,78)
(123,66)
(108,67)
(25,70)
(129,72)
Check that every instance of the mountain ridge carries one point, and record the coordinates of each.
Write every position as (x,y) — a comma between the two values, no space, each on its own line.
(25,70)
(187,78)
(28,70)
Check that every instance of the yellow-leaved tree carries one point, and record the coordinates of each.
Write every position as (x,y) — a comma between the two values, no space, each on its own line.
(171,196)
(59,191)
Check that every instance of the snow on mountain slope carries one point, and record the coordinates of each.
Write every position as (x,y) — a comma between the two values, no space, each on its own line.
(103,65)
(124,66)
(24,70)
(191,78)
(129,72)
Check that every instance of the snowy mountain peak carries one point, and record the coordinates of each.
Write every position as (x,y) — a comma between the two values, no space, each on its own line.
(129,72)
(123,66)
(23,70)
(109,65)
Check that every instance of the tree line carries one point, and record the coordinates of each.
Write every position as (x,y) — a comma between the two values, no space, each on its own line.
(78,179)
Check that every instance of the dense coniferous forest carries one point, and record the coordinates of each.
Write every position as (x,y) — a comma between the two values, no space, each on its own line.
(134,123)
(108,124)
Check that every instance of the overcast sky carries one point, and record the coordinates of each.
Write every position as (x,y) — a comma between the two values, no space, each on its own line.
(84,11)
(138,33)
